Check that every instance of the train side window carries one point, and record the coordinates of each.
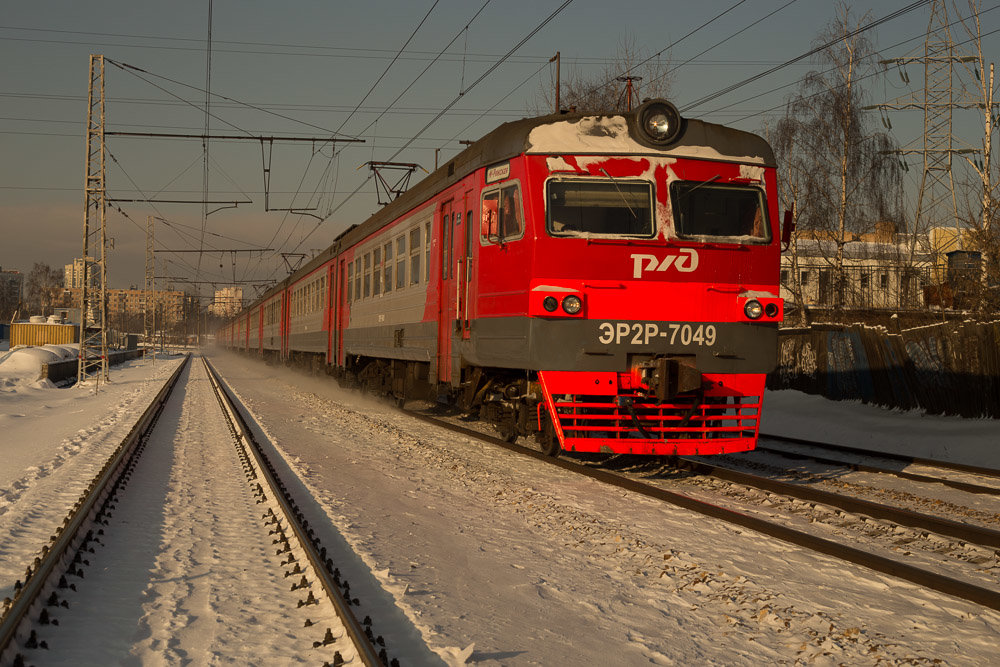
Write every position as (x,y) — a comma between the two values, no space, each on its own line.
(489,230)
(445,246)
(427,251)
(350,281)
(376,271)
(368,275)
(387,251)
(415,250)
(511,220)
(357,279)
(401,262)
(468,233)
(503,215)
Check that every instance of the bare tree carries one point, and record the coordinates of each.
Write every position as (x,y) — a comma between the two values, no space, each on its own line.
(43,287)
(632,76)
(782,139)
(983,222)
(842,172)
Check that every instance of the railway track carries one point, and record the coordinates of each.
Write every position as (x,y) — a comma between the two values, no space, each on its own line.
(987,480)
(169,536)
(929,577)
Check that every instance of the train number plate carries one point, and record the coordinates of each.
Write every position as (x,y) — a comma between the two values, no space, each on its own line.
(645,333)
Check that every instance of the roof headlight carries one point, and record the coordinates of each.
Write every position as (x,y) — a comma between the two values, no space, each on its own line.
(660,122)
(572,304)
(753,309)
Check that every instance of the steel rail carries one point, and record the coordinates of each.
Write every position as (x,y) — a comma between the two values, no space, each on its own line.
(366,648)
(902,474)
(57,551)
(958,530)
(947,465)
(931,580)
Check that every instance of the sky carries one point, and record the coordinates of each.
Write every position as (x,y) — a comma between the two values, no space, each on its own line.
(313,69)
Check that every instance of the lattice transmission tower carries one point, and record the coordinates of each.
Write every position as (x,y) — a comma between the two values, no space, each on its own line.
(149,291)
(937,205)
(93,357)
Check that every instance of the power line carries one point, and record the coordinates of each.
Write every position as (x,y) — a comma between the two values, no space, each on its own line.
(668,47)
(724,40)
(346,120)
(133,70)
(324,178)
(861,78)
(389,66)
(445,110)
(728,89)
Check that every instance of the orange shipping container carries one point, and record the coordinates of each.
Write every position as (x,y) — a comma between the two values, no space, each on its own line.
(26,333)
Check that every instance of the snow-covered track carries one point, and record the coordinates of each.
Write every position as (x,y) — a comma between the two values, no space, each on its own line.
(809,448)
(955,529)
(172,556)
(55,557)
(988,597)
(290,523)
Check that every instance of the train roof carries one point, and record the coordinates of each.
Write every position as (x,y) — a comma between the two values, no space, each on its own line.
(554,134)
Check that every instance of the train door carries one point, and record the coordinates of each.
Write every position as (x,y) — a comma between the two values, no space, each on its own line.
(446,299)
(340,320)
(284,329)
(330,313)
(463,265)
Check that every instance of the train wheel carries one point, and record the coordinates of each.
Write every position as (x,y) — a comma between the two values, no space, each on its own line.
(548,441)
(508,431)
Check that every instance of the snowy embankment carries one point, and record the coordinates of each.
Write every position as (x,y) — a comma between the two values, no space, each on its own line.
(793,414)
(22,366)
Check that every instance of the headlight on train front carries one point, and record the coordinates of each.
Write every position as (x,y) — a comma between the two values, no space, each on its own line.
(753,309)
(660,122)
(572,304)
(550,303)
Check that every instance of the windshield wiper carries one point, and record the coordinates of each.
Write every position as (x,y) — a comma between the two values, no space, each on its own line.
(620,193)
(705,182)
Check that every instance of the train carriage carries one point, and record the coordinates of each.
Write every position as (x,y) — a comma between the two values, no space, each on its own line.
(602,283)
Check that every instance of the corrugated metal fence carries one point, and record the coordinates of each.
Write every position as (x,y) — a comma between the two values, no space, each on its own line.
(949,368)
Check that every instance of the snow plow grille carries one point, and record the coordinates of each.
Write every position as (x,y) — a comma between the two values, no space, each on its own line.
(620,419)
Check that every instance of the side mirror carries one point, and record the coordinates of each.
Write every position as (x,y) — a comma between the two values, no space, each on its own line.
(787,227)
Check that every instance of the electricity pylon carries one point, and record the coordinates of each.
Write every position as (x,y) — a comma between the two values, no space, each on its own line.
(93,357)
(937,205)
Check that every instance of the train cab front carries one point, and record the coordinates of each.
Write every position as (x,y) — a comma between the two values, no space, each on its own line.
(674,381)
(655,308)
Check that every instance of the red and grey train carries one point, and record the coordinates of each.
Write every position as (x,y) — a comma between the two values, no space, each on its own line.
(603,283)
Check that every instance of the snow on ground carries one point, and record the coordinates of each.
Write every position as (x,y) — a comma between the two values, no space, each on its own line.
(496,560)
(22,365)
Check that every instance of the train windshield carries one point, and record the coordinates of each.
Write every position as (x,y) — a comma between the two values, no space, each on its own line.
(734,214)
(606,208)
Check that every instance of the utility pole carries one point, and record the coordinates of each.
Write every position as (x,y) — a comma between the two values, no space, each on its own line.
(557,61)
(93,356)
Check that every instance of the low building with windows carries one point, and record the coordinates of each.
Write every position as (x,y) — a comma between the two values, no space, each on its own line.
(881,271)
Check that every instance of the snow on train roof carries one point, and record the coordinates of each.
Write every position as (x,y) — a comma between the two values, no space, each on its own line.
(610,135)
